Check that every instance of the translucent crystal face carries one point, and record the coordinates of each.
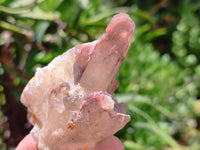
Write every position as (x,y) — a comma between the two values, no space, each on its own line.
(70,101)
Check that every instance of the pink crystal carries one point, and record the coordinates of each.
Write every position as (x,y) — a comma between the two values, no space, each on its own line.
(70,101)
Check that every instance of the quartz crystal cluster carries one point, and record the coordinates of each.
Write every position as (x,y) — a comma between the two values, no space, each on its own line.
(71,102)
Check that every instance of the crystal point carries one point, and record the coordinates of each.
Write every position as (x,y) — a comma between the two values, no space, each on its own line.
(70,101)
(108,54)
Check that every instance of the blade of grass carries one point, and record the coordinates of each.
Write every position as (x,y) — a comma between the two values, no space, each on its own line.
(40,31)
(133,99)
(160,133)
(19,10)
(13,28)
(113,11)
(38,14)
(141,113)
(135,146)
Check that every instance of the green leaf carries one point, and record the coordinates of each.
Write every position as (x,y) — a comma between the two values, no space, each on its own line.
(40,31)
(109,12)
(1,88)
(5,2)
(16,81)
(145,15)
(155,33)
(39,14)
(49,5)
(2,99)
(15,8)
(69,11)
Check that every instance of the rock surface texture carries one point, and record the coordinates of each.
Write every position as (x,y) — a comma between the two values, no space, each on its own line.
(70,101)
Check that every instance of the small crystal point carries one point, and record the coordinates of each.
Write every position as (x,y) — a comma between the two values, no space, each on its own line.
(108,54)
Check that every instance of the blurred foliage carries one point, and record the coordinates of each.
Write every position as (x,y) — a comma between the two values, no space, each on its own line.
(3,119)
(159,79)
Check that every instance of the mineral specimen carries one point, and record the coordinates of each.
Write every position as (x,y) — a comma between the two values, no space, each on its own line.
(70,101)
